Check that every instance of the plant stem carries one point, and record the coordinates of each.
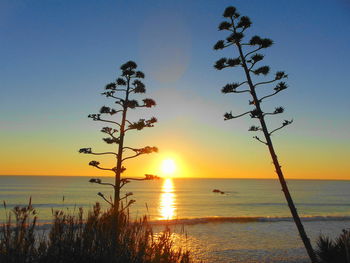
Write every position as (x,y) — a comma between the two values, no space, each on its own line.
(120,150)
(279,172)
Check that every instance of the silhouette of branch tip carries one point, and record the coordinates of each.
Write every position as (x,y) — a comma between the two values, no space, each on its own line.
(126,196)
(285,123)
(95,180)
(121,82)
(128,65)
(258,139)
(129,204)
(262,70)
(227,62)
(229,88)
(108,110)
(224,26)
(139,125)
(235,37)
(244,22)
(255,113)
(281,86)
(145,150)
(89,151)
(109,130)
(94,163)
(254,128)
(280,75)
(124,181)
(257,57)
(148,103)
(262,42)
(104,198)
(139,87)
(228,115)
(278,110)
(140,74)
(220,64)
(254,59)
(147,177)
(111,140)
(95,117)
(232,88)
(111,86)
(132,104)
(229,12)
(151,177)
(99,181)
(219,45)
(85,150)
(108,93)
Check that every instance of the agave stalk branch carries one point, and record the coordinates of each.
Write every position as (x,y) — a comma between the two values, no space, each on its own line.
(270,95)
(276,163)
(265,82)
(130,157)
(103,153)
(258,139)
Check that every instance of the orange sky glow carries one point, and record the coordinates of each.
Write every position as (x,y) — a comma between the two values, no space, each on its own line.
(64,61)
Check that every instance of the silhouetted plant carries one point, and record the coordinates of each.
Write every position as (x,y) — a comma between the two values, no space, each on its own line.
(334,251)
(17,237)
(73,239)
(120,92)
(248,58)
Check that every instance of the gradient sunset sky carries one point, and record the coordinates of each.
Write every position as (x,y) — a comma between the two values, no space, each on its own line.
(56,56)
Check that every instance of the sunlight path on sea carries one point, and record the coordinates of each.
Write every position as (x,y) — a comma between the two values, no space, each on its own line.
(167,204)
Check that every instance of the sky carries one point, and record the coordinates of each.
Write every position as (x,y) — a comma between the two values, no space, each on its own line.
(56,56)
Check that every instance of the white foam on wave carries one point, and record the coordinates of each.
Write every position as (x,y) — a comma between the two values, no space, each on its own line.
(205,220)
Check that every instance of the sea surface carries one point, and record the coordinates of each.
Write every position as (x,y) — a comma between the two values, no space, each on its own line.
(248,222)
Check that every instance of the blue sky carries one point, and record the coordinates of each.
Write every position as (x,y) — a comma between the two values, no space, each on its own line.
(56,56)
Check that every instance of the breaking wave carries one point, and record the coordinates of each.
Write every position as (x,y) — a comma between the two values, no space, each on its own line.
(205,220)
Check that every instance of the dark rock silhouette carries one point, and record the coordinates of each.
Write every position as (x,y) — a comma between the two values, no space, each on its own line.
(218,191)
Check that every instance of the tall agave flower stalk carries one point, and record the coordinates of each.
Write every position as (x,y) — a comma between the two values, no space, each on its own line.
(120,92)
(248,58)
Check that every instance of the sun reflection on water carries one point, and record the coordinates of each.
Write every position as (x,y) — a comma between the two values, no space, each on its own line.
(167,205)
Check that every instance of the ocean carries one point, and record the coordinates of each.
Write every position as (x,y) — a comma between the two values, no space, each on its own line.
(248,222)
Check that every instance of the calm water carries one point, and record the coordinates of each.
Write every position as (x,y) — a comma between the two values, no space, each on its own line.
(216,222)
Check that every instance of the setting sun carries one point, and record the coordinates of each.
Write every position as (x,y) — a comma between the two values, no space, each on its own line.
(168,166)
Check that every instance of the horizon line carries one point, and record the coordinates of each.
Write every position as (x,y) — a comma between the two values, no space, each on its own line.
(174,177)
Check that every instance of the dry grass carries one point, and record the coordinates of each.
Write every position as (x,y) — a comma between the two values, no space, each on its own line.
(104,236)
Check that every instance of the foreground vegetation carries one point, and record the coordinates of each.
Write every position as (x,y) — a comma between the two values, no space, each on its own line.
(73,239)
(334,251)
